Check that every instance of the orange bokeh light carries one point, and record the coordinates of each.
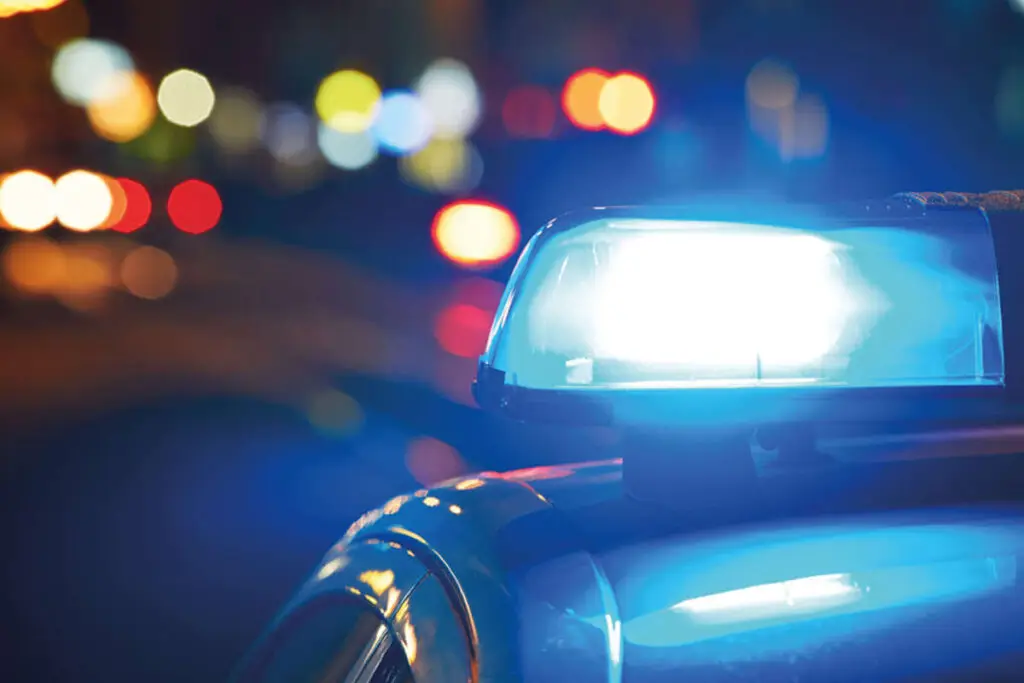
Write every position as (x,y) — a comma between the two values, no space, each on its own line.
(581,98)
(128,113)
(475,233)
(626,103)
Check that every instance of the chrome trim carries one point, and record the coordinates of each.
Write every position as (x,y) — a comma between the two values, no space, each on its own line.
(371,657)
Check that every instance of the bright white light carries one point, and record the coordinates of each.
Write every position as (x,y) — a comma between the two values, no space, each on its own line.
(84,201)
(403,125)
(451,96)
(186,98)
(350,151)
(28,200)
(734,300)
(773,599)
(288,134)
(87,70)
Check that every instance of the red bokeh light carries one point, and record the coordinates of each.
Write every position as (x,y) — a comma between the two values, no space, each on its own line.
(475,234)
(582,96)
(194,206)
(479,292)
(138,206)
(462,329)
(529,111)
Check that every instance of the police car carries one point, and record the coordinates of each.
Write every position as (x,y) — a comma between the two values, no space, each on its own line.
(819,480)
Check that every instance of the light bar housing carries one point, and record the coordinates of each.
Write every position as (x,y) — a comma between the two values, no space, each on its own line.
(761,314)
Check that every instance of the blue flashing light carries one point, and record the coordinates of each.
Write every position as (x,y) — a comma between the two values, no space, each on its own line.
(623,302)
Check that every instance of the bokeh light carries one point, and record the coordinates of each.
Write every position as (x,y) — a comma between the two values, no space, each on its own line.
(163,143)
(581,98)
(403,124)
(87,70)
(804,129)
(444,165)
(118,203)
(627,103)
(127,114)
(61,25)
(529,111)
(462,329)
(475,233)
(138,206)
(348,101)
(431,461)
(288,133)
(334,412)
(451,96)
(84,201)
(88,275)
(186,98)
(34,265)
(194,206)
(350,151)
(772,85)
(149,273)
(235,121)
(28,200)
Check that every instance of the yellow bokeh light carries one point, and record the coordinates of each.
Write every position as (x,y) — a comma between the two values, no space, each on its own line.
(127,114)
(441,165)
(772,85)
(186,98)
(149,273)
(626,103)
(84,201)
(348,101)
(28,201)
(34,265)
(9,8)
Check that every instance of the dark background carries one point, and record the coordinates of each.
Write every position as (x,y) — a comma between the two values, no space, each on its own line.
(172,469)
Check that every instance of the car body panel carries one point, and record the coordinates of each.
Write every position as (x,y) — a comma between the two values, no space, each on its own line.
(534,590)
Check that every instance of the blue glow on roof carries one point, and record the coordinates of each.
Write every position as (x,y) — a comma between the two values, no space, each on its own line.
(620,303)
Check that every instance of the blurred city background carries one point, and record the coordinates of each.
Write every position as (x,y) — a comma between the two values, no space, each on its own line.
(251,250)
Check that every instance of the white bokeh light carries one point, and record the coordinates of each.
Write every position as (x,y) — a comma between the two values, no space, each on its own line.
(289,134)
(350,151)
(451,96)
(87,70)
(186,98)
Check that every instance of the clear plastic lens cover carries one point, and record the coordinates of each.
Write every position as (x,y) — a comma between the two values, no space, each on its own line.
(622,302)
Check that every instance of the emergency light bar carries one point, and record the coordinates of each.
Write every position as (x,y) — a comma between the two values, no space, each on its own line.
(710,310)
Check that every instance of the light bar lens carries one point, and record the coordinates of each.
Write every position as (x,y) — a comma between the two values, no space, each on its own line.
(622,303)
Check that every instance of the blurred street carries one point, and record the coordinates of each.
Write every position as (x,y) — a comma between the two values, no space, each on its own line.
(250,252)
